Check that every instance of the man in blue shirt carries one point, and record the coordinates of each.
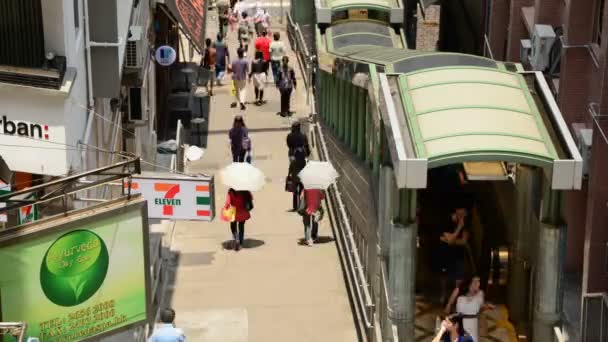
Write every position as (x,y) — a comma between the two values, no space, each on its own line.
(167,332)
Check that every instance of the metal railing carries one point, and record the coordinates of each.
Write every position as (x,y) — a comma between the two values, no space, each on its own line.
(305,59)
(363,302)
(384,312)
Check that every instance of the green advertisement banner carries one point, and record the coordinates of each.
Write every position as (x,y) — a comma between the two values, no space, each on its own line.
(74,283)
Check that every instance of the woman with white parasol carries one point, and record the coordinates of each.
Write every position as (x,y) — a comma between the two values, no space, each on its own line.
(241,179)
(316,177)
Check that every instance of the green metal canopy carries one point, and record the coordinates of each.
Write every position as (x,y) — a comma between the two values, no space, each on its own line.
(469,113)
(347,34)
(335,4)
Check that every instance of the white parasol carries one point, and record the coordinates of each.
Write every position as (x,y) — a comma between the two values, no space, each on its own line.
(243,177)
(318,175)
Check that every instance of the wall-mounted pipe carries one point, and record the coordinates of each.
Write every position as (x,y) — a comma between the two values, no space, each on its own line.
(89,76)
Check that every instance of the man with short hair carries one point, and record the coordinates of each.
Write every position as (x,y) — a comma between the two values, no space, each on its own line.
(208,66)
(222,57)
(240,71)
(167,332)
(262,43)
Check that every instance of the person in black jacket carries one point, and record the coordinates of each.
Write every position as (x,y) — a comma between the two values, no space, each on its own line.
(298,151)
(286,84)
(259,73)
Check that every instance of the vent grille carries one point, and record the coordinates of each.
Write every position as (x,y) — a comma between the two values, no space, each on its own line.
(132,60)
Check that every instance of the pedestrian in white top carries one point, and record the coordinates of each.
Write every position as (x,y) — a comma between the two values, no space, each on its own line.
(277,51)
(470,302)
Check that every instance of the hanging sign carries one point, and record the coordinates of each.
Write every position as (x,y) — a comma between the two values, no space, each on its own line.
(165,55)
(28,214)
(175,197)
(4,189)
(191,15)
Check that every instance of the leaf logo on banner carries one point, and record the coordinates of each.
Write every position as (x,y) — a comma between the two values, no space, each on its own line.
(74,268)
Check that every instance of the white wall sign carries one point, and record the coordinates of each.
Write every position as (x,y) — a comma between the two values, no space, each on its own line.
(165,55)
(176,197)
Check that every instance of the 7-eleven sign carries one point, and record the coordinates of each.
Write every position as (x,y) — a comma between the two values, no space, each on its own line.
(176,198)
(4,189)
(28,214)
(168,200)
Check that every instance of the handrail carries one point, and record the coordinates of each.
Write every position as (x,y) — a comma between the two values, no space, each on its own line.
(363,298)
(297,42)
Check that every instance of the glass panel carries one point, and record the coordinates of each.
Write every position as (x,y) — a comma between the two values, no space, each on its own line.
(362,39)
(359,27)
(433,61)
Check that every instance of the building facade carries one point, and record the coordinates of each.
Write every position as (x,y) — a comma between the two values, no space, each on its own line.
(574,59)
(76,84)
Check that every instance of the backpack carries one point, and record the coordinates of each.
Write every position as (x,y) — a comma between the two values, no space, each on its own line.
(285,81)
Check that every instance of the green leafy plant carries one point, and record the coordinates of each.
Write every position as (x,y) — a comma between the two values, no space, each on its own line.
(74,267)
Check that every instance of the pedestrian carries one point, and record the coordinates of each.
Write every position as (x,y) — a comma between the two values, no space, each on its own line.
(222,58)
(287,83)
(240,143)
(259,73)
(262,44)
(452,249)
(242,201)
(266,21)
(452,330)
(224,20)
(298,151)
(470,301)
(167,332)
(245,32)
(240,69)
(258,19)
(277,51)
(208,66)
(310,207)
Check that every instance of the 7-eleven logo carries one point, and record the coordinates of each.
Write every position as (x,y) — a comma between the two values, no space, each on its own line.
(168,201)
(27,214)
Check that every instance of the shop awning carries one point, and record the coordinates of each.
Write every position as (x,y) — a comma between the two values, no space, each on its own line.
(191,16)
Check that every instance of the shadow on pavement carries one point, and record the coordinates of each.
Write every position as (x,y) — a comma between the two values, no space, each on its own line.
(320,240)
(248,243)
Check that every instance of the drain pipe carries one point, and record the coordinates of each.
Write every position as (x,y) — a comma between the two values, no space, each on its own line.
(90,100)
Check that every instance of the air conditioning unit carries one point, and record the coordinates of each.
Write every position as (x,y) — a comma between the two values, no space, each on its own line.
(584,138)
(134,58)
(542,41)
(525,46)
(137,109)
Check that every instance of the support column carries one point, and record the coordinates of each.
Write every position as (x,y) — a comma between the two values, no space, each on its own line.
(520,247)
(548,266)
(402,266)
(386,210)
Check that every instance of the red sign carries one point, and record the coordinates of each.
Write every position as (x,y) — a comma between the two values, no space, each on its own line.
(191,15)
